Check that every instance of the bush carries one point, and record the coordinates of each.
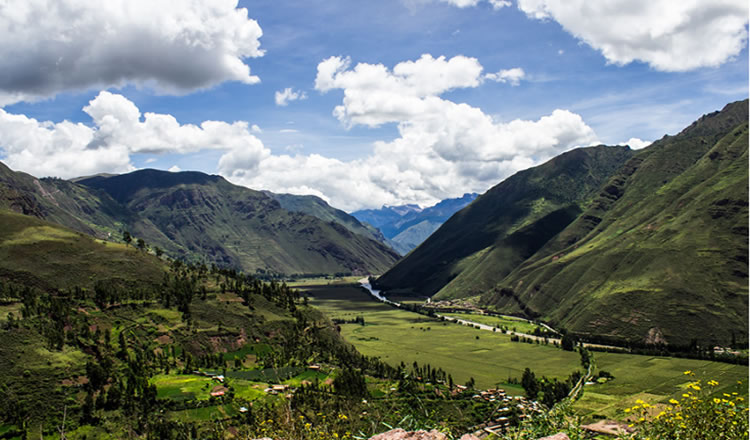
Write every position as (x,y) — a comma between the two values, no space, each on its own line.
(699,415)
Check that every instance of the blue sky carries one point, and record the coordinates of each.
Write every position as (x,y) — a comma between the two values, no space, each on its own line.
(575,74)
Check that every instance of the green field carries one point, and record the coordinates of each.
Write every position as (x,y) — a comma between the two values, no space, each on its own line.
(512,324)
(183,387)
(399,336)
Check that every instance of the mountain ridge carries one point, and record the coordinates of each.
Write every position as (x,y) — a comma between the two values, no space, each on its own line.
(407,226)
(191,214)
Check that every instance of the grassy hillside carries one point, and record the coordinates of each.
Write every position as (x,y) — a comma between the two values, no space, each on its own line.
(192,356)
(473,242)
(61,202)
(42,254)
(661,255)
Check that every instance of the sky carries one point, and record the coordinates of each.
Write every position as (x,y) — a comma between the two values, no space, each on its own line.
(362,103)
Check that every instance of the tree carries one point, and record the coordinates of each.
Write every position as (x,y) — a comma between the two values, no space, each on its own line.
(158,251)
(141,244)
(568,342)
(126,237)
(530,384)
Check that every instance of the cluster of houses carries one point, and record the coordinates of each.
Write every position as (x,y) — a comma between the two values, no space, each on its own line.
(508,407)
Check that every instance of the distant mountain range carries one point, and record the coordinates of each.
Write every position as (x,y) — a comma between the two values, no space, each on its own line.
(646,246)
(317,207)
(197,217)
(407,226)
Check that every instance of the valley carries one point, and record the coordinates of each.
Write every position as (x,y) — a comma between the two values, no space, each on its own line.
(491,358)
(602,283)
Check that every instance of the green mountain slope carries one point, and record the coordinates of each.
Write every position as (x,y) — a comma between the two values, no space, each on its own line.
(61,202)
(317,207)
(661,255)
(194,215)
(37,253)
(474,241)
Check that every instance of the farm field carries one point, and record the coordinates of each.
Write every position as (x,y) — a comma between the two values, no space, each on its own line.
(512,324)
(400,336)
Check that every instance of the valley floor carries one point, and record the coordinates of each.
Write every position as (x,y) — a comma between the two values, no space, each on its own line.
(492,359)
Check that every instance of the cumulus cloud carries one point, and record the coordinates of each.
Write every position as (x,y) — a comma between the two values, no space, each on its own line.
(512,76)
(636,144)
(285,96)
(374,95)
(67,149)
(668,35)
(444,149)
(173,46)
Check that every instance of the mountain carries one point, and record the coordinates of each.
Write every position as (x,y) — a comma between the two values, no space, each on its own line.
(645,247)
(505,225)
(407,226)
(193,213)
(385,215)
(319,208)
(197,217)
(661,254)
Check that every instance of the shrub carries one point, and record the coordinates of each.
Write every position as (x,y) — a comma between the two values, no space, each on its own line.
(700,414)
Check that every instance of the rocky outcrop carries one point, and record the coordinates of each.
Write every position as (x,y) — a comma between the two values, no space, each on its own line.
(400,434)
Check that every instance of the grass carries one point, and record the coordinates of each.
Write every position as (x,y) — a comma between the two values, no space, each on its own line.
(512,324)
(35,252)
(218,412)
(399,336)
(6,310)
(307,376)
(653,380)
(183,387)
(316,281)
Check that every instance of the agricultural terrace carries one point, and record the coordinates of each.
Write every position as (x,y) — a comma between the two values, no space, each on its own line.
(397,335)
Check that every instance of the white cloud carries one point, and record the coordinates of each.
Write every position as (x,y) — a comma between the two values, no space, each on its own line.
(496,4)
(444,149)
(173,46)
(174,169)
(119,129)
(374,95)
(636,144)
(499,4)
(512,76)
(285,96)
(668,35)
